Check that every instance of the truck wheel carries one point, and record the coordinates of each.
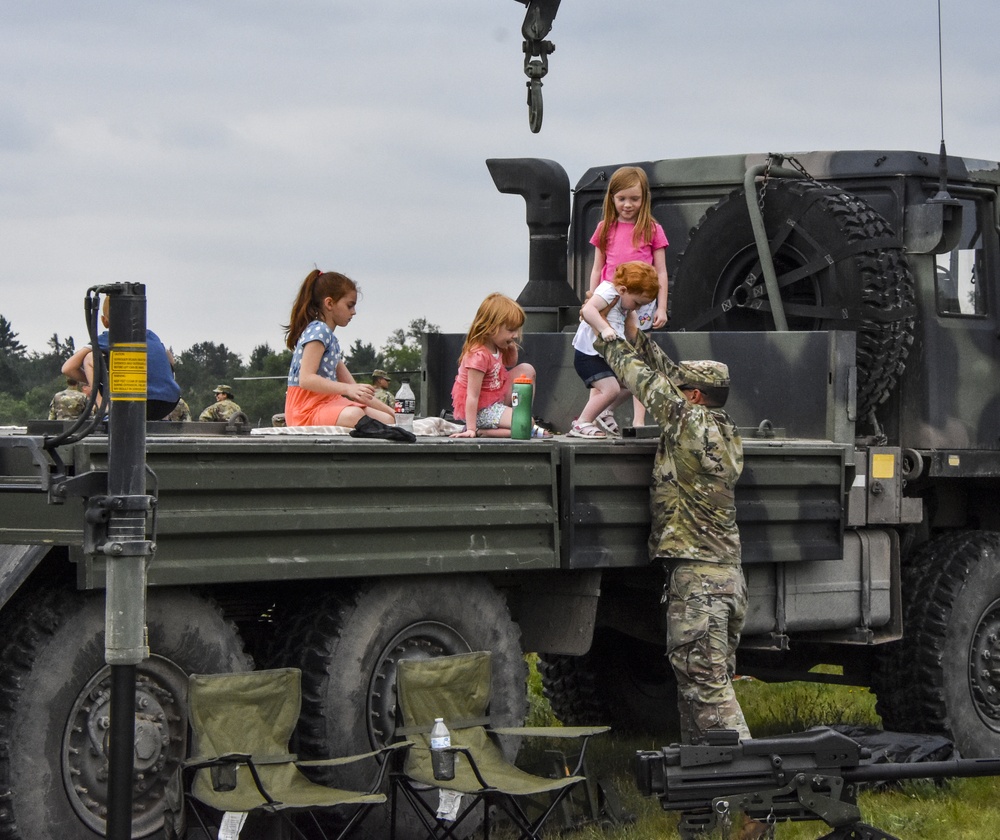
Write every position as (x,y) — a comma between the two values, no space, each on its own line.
(54,703)
(838,262)
(619,681)
(349,645)
(892,681)
(952,643)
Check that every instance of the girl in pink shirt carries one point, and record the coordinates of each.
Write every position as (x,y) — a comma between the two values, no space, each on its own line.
(629,233)
(481,396)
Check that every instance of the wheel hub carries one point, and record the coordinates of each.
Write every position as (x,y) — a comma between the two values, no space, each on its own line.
(423,640)
(160,728)
(984,667)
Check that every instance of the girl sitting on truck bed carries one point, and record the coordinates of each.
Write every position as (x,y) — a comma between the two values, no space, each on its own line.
(321,390)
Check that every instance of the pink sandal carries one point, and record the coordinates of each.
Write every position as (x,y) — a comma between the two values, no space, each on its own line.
(586,430)
(606,420)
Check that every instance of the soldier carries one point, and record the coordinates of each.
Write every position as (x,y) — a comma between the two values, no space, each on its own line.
(223,408)
(380,379)
(181,412)
(69,403)
(694,533)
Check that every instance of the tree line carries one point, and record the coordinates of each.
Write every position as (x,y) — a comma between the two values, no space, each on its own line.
(29,379)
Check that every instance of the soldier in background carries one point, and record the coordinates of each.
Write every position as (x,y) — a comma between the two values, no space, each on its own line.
(224,406)
(69,403)
(380,379)
(181,412)
(694,535)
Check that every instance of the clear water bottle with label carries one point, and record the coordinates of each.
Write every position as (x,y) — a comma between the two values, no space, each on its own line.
(442,758)
(406,405)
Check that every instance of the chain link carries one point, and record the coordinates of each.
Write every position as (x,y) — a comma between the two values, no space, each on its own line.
(776,159)
(763,183)
(725,818)
(772,822)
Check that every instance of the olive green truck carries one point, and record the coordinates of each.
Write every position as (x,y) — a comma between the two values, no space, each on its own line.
(854,296)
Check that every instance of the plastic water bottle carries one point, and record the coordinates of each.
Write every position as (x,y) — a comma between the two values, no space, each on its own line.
(520,424)
(406,405)
(442,758)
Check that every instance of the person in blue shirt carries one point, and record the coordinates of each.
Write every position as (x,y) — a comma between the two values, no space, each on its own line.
(162,390)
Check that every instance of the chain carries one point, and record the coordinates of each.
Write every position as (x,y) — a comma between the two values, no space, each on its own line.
(793,162)
(725,818)
(763,183)
(772,821)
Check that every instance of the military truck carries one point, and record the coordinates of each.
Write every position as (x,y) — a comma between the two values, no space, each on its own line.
(854,297)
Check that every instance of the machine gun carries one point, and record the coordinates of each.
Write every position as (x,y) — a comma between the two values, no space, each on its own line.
(811,775)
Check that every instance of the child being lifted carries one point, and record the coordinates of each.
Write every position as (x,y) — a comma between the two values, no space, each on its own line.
(633,285)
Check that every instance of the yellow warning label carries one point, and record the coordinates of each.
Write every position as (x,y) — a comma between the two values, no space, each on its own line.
(883,465)
(127,373)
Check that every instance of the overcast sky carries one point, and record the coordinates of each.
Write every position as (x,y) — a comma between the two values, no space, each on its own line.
(215,150)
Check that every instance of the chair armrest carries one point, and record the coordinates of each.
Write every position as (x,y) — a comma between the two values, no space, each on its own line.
(551,731)
(350,759)
(582,732)
(200,762)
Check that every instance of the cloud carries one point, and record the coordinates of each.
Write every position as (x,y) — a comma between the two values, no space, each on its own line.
(216,151)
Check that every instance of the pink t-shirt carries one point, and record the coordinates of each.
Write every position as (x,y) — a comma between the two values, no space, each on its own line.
(495,380)
(621,250)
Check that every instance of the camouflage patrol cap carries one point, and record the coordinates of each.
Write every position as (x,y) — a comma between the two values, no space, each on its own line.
(223,389)
(705,373)
(379,374)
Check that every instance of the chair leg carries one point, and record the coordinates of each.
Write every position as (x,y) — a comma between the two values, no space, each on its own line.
(532,830)
(428,814)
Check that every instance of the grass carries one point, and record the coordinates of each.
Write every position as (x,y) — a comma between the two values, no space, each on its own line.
(956,809)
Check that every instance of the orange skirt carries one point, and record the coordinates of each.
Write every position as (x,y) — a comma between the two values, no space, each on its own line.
(308,408)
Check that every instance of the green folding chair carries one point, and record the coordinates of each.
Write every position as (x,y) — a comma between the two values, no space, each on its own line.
(458,688)
(241,725)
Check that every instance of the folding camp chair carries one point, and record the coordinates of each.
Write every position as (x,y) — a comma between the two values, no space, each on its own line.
(458,689)
(241,725)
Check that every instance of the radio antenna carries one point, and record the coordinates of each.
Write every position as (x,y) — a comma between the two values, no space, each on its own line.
(942,193)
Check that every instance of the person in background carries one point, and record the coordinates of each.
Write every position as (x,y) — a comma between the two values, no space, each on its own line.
(162,390)
(223,408)
(380,379)
(69,403)
(321,390)
(181,412)
(693,533)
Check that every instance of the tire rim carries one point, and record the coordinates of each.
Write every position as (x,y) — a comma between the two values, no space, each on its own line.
(984,667)
(160,730)
(742,301)
(423,640)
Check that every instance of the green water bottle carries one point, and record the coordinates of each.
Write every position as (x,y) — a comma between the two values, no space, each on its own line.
(520,424)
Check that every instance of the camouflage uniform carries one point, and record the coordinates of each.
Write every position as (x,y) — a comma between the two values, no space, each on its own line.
(221,410)
(382,393)
(181,412)
(692,504)
(68,404)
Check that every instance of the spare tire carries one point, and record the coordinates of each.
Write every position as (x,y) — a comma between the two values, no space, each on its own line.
(839,266)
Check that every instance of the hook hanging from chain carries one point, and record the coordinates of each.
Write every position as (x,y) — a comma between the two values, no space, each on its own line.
(537,24)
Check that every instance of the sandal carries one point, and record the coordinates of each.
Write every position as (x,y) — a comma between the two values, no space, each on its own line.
(606,420)
(587,430)
(538,432)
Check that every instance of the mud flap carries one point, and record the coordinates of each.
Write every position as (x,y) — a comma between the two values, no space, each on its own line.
(17,562)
